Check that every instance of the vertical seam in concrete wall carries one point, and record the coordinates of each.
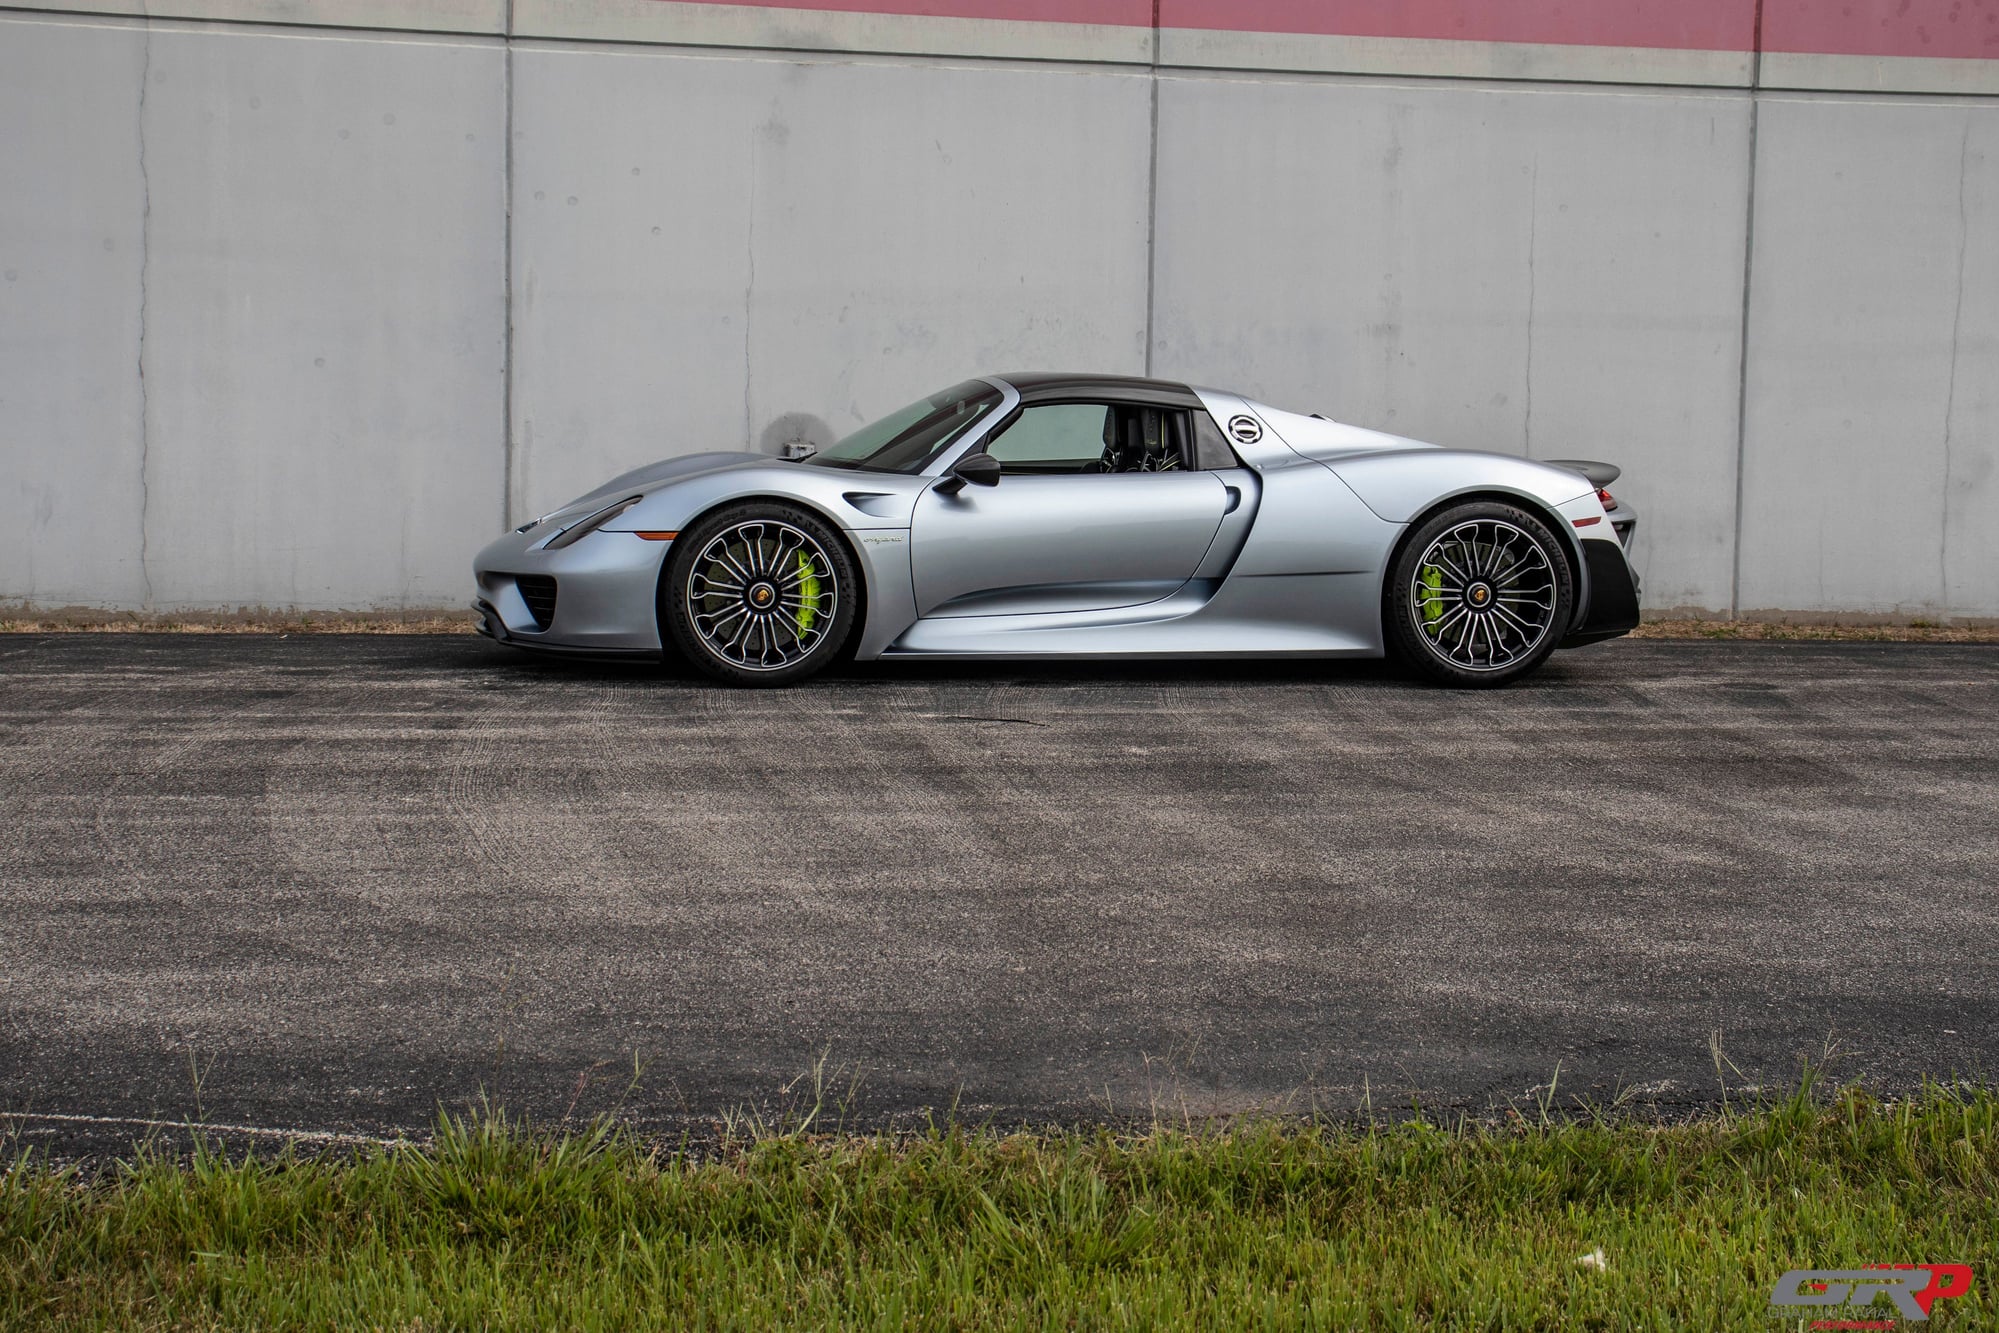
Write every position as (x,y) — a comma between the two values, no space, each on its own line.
(750,283)
(507,277)
(145,279)
(1152,196)
(1748,273)
(1742,364)
(1950,391)
(1533,232)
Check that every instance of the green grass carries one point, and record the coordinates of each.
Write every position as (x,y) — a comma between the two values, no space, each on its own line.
(1411,1226)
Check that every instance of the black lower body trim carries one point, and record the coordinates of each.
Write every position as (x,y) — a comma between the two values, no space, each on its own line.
(584,654)
(488,621)
(1613,596)
(489,624)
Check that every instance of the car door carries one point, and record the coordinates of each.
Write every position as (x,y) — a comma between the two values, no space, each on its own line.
(1098,506)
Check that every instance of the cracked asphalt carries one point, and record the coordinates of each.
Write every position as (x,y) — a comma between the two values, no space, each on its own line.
(333,884)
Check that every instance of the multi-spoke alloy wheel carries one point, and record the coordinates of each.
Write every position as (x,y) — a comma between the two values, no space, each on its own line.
(1480,595)
(1483,594)
(759,595)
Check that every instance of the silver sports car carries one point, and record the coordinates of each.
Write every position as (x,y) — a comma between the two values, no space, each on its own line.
(1045,516)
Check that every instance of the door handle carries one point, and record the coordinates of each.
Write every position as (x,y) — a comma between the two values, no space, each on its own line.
(1235,499)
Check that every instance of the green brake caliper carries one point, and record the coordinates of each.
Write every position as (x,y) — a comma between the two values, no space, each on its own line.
(1432,579)
(808,593)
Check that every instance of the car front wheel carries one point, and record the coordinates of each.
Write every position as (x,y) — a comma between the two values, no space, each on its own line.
(759,594)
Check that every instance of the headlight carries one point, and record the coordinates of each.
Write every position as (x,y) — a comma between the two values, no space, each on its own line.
(583,527)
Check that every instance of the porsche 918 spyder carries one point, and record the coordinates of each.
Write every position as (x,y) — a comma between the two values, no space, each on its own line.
(1086,516)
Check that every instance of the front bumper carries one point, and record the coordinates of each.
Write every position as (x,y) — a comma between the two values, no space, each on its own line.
(599,595)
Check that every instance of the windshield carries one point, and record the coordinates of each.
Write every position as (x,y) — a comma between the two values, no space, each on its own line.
(908,440)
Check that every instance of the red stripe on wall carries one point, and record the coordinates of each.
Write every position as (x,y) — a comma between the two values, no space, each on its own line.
(1962,28)
(1122,13)
(1680,25)
(1956,28)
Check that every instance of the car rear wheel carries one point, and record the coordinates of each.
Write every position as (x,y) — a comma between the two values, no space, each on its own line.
(1479,595)
(758,594)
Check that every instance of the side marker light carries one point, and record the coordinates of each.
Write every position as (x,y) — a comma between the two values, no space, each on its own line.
(657,536)
(1585,522)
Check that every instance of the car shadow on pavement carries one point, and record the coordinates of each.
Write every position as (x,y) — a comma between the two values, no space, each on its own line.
(674,674)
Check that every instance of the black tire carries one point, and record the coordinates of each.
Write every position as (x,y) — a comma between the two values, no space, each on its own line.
(1478,596)
(758,549)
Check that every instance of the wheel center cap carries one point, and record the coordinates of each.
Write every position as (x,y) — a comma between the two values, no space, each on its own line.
(761,595)
(1478,594)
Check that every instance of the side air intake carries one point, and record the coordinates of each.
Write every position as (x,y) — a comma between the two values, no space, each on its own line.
(538,591)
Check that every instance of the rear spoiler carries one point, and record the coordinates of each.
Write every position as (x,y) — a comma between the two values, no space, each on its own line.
(1600,475)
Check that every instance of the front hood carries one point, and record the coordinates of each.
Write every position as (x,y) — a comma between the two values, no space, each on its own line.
(641,479)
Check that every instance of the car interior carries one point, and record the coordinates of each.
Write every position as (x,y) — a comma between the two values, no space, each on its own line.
(1068,439)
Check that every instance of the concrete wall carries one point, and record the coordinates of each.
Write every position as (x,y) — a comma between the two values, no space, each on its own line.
(252,350)
(707,247)
(1482,266)
(1873,399)
(259,278)
(72,254)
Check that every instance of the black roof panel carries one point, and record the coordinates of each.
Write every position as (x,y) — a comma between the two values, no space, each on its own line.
(1053,384)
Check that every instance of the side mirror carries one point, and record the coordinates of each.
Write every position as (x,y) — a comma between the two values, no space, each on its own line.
(981,469)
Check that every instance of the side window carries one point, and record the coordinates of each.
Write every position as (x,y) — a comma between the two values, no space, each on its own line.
(1070,438)
(1211,447)
(1061,437)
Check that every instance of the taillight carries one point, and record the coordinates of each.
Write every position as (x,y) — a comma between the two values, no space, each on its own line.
(1608,500)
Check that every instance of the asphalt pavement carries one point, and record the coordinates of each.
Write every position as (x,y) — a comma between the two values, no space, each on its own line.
(332,884)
